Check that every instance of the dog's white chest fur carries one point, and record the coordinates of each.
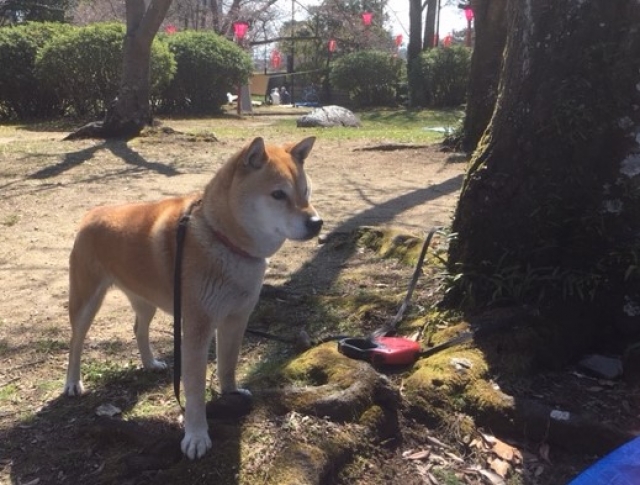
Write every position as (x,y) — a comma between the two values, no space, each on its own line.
(232,283)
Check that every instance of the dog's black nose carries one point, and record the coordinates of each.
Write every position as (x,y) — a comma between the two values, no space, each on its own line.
(314,224)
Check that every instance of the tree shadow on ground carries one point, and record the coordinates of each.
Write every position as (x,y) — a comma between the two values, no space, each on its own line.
(323,270)
(118,147)
(318,275)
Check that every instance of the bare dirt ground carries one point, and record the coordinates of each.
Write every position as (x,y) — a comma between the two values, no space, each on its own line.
(45,187)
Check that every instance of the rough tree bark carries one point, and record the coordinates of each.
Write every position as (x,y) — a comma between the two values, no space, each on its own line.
(130,112)
(486,63)
(549,213)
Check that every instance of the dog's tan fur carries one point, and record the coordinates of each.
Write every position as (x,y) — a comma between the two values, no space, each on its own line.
(258,199)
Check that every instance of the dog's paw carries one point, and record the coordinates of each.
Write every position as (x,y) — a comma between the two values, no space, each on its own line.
(155,365)
(73,388)
(195,445)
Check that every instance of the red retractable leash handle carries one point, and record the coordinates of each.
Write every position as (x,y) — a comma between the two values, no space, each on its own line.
(381,350)
(378,348)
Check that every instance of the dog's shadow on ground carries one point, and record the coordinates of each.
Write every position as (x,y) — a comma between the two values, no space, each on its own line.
(76,445)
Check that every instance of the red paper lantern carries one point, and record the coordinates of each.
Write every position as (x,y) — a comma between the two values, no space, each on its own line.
(366,18)
(468,13)
(446,42)
(398,40)
(240,29)
(332,45)
(276,59)
(170,29)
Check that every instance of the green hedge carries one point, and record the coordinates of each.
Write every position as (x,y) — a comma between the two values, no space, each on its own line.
(209,66)
(21,94)
(445,75)
(370,77)
(54,70)
(84,67)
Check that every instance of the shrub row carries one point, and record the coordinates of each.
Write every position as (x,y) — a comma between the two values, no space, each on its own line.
(52,69)
(375,78)
(371,78)
(444,75)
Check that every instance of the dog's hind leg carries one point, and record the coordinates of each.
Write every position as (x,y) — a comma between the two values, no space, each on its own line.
(144,314)
(86,293)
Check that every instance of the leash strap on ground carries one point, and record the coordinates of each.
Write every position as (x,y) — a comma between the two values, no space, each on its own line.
(177,301)
(391,327)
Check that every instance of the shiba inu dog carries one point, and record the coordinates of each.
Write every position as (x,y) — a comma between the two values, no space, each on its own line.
(256,201)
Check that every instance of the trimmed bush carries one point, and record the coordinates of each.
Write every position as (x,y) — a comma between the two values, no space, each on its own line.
(445,75)
(21,95)
(84,66)
(209,66)
(370,77)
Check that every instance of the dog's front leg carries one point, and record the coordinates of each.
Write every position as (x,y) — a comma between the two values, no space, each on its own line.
(229,335)
(195,348)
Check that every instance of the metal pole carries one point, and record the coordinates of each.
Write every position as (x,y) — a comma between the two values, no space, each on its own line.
(293,50)
(436,40)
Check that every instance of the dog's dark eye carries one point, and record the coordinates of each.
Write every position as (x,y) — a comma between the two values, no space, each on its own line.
(278,195)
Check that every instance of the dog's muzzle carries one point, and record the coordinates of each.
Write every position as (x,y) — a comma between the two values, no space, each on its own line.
(313,225)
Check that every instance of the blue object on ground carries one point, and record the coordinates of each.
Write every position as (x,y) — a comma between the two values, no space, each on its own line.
(307,104)
(620,467)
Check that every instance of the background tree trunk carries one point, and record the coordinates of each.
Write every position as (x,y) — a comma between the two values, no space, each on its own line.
(130,112)
(550,211)
(416,97)
(486,63)
(430,24)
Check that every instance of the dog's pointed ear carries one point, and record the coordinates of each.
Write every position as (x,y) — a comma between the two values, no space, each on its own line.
(301,151)
(255,155)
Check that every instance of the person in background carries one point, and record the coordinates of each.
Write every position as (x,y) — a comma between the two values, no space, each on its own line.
(285,97)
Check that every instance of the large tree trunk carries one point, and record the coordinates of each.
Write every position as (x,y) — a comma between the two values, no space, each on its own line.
(486,64)
(550,211)
(130,112)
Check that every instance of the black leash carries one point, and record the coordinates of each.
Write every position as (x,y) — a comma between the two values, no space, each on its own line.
(177,300)
(391,327)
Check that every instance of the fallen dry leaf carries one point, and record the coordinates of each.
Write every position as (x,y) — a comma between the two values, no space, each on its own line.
(499,466)
(418,455)
(488,438)
(479,444)
(437,442)
(437,458)
(454,457)
(108,410)
(493,478)
(506,452)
